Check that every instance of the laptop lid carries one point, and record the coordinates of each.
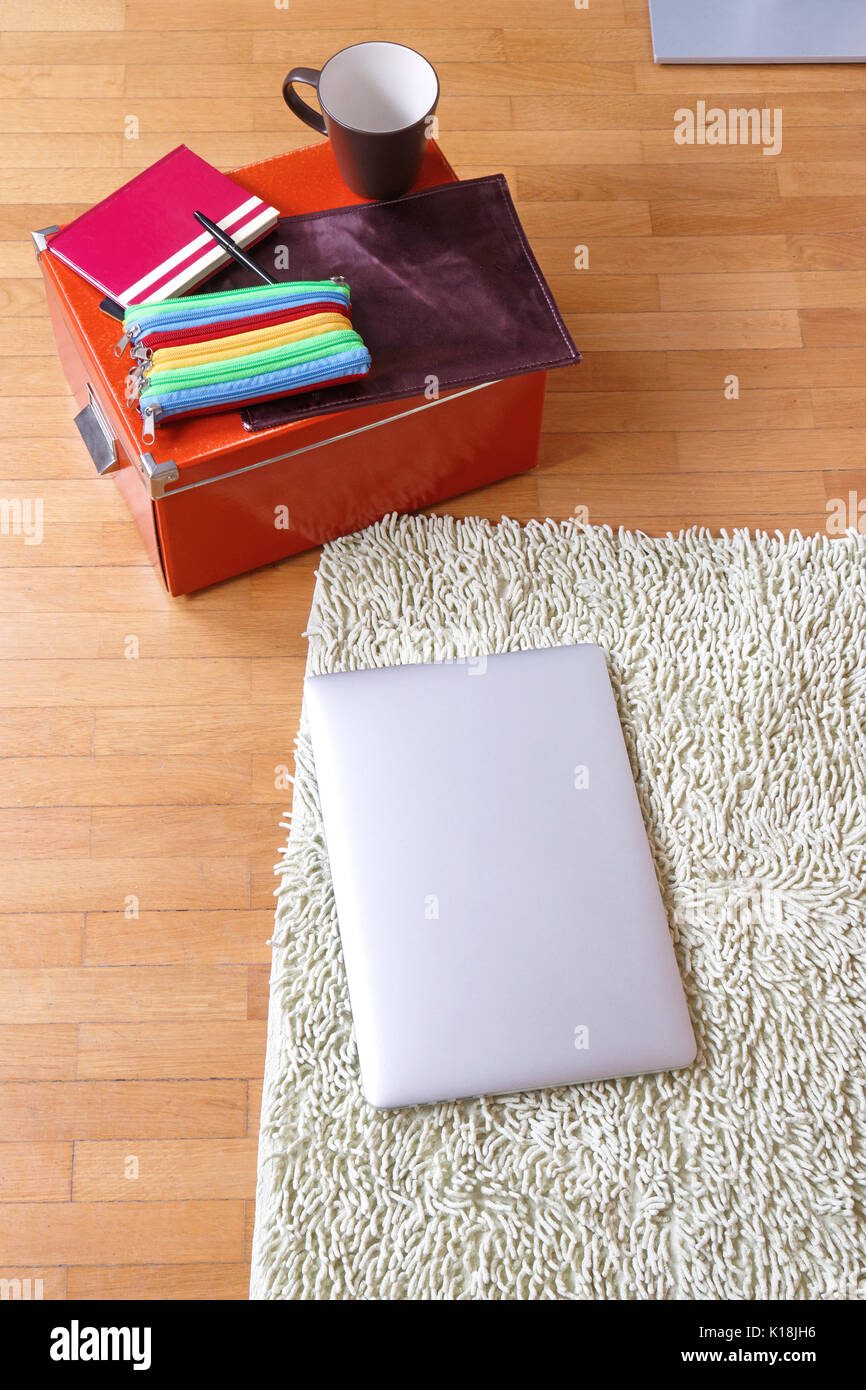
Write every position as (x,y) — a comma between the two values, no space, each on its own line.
(500,918)
(757,31)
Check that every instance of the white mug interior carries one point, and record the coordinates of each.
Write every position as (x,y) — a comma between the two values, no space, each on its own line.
(377,87)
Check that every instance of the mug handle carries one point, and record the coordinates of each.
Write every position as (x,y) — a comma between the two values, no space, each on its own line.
(306,113)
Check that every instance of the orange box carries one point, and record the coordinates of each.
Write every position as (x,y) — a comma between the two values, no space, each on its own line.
(212,499)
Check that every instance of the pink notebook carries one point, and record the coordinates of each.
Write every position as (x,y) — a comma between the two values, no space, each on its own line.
(143,242)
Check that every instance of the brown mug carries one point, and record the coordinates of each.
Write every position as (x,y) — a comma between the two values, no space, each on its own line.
(377,101)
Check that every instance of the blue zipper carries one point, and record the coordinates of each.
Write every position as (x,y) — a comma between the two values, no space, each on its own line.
(306,374)
(140,320)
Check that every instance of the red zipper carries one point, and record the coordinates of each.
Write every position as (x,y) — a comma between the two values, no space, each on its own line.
(229,327)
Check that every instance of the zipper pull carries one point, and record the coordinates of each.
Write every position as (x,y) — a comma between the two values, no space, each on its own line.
(338,279)
(127,337)
(134,382)
(148,429)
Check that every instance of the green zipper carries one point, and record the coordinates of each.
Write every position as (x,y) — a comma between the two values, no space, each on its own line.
(256,363)
(221,296)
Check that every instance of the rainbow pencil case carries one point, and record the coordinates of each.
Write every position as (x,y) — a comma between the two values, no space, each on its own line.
(210,352)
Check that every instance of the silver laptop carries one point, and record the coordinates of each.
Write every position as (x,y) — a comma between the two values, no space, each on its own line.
(500,917)
(758,31)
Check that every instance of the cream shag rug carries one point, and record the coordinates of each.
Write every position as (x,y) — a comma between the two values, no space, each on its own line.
(740,670)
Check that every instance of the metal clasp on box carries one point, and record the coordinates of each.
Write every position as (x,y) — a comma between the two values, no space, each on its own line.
(96,433)
(102,448)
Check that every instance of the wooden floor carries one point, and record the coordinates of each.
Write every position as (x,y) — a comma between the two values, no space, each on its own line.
(132,1047)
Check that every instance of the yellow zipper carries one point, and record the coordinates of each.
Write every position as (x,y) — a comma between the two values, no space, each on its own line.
(241,344)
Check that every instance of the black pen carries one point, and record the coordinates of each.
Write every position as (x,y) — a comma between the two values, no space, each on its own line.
(232,247)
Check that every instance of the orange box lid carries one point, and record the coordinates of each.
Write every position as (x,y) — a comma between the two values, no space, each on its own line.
(303,180)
